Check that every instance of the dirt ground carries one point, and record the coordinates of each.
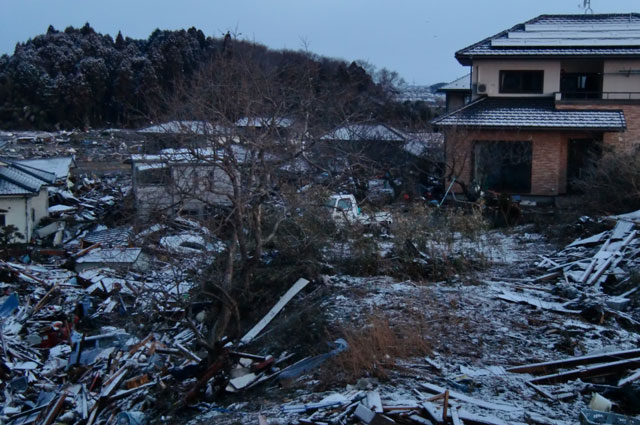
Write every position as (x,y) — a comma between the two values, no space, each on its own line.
(471,336)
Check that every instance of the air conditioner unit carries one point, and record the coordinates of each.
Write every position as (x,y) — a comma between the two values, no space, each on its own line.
(482,88)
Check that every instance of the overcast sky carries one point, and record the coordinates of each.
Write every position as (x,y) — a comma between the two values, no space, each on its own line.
(416,38)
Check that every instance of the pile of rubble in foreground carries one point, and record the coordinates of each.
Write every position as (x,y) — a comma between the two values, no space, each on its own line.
(63,360)
(102,345)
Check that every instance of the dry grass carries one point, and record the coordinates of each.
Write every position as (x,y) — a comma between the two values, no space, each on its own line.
(451,242)
(375,347)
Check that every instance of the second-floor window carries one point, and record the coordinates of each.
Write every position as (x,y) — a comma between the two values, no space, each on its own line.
(525,82)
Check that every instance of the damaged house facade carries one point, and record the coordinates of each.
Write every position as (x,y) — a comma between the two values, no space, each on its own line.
(179,181)
(544,96)
(24,199)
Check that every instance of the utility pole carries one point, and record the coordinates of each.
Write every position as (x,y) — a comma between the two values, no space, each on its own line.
(587,7)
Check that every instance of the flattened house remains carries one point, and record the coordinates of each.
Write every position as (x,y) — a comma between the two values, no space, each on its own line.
(544,95)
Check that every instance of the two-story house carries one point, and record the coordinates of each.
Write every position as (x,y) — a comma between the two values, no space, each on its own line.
(544,95)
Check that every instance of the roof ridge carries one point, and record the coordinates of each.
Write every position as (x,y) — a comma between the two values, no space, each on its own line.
(28,169)
(17,182)
(587,16)
(468,105)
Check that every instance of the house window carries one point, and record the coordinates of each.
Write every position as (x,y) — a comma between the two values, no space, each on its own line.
(503,166)
(3,220)
(33,215)
(581,86)
(154,176)
(526,82)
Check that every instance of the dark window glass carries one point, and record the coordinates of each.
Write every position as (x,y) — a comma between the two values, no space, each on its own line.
(503,166)
(154,176)
(581,86)
(521,81)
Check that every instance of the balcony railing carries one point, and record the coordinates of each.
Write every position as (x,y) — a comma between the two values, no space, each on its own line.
(607,96)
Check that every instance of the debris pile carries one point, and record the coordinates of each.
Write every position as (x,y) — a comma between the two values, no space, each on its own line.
(74,348)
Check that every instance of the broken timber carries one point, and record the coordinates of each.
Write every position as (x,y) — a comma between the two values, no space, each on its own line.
(471,400)
(546,367)
(292,292)
(588,372)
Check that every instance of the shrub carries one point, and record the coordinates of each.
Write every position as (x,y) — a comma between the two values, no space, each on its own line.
(611,184)
(375,347)
(438,243)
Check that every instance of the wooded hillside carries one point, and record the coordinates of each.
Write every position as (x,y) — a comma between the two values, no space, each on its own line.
(81,78)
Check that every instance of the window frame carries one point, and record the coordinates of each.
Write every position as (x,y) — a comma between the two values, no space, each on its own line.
(524,86)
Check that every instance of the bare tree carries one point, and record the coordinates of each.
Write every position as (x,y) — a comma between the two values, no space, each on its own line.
(240,169)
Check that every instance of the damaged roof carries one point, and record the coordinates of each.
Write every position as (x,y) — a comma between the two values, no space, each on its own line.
(531,113)
(19,179)
(59,166)
(611,35)
(360,132)
(181,127)
(115,255)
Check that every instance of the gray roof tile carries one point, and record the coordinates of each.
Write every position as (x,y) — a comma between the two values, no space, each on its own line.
(365,132)
(531,113)
(461,84)
(19,179)
(567,26)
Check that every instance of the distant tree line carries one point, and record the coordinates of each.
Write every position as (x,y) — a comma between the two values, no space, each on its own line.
(78,78)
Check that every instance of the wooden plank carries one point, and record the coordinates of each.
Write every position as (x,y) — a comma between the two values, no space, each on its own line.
(455,418)
(617,255)
(445,406)
(588,372)
(541,391)
(373,401)
(592,265)
(587,241)
(547,276)
(467,399)
(420,420)
(468,417)
(633,377)
(621,229)
(55,410)
(292,292)
(546,367)
(432,410)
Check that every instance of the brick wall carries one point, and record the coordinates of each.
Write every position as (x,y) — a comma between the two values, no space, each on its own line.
(626,140)
(549,156)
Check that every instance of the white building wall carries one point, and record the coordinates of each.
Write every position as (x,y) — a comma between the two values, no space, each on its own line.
(622,76)
(16,214)
(40,204)
(488,72)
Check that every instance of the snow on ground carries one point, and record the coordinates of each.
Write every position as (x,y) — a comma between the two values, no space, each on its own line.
(474,336)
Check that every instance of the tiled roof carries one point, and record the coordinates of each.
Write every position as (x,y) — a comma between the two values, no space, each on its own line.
(181,127)
(264,122)
(18,179)
(361,132)
(562,36)
(59,166)
(462,83)
(115,255)
(40,174)
(530,113)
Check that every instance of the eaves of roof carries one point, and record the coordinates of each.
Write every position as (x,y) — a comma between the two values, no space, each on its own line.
(530,114)
(484,49)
